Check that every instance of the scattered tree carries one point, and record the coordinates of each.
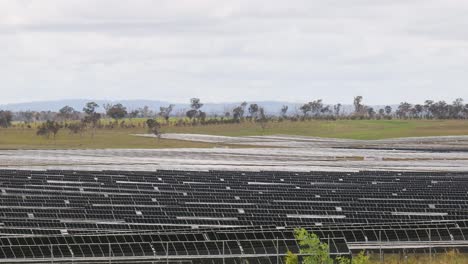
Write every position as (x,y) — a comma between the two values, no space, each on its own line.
(5,118)
(133,114)
(195,112)
(76,128)
(67,112)
(370,112)
(284,111)
(116,112)
(165,112)
(388,110)
(358,106)
(403,110)
(253,111)
(154,127)
(262,119)
(145,112)
(381,112)
(238,112)
(48,128)
(337,109)
(305,109)
(92,117)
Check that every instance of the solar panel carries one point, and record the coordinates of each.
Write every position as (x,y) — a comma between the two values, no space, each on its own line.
(196,214)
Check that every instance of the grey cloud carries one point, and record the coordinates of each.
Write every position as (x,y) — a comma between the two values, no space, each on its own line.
(388,51)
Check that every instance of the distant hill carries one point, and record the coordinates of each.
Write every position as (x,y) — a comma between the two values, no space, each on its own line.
(78,104)
(271,107)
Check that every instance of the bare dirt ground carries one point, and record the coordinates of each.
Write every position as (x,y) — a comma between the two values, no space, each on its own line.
(288,153)
(444,143)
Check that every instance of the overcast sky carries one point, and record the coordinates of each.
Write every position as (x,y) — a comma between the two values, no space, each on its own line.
(386,50)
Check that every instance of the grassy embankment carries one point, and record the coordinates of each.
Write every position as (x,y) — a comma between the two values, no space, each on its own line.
(25,138)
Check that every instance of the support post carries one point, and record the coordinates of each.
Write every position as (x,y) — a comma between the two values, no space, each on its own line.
(52,252)
(277,250)
(430,246)
(380,246)
(110,253)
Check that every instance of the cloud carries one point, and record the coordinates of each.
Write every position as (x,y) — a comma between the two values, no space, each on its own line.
(387,51)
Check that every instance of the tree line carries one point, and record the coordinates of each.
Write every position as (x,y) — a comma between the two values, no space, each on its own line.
(92,113)
(315,109)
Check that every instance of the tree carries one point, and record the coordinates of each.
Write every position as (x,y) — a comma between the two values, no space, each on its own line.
(27,116)
(90,108)
(48,128)
(116,112)
(154,127)
(316,107)
(358,106)
(284,111)
(253,110)
(5,118)
(145,112)
(92,117)
(238,112)
(403,110)
(417,111)
(456,109)
(243,105)
(262,119)
(381,112)
(195,103)
(314,251)
(337,109)
(429,108)
(317,252)
(440,110)
(67,113)
(76,128)
(201,116)
(191,114)
(465,111)
(370,112)
(195,112)
(134,114)
(305,109)
(388,110)
(165,112)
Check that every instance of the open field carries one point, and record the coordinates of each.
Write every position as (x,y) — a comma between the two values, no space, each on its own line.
(16,138)
(24,138)
(350,129)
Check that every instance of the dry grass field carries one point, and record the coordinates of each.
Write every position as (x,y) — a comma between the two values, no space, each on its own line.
(18,137)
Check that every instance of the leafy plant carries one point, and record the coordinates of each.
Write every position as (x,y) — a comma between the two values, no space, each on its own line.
(314,251)
(361,258)
(291,258)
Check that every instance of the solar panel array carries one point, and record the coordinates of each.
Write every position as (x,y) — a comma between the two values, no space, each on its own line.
(215,216)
